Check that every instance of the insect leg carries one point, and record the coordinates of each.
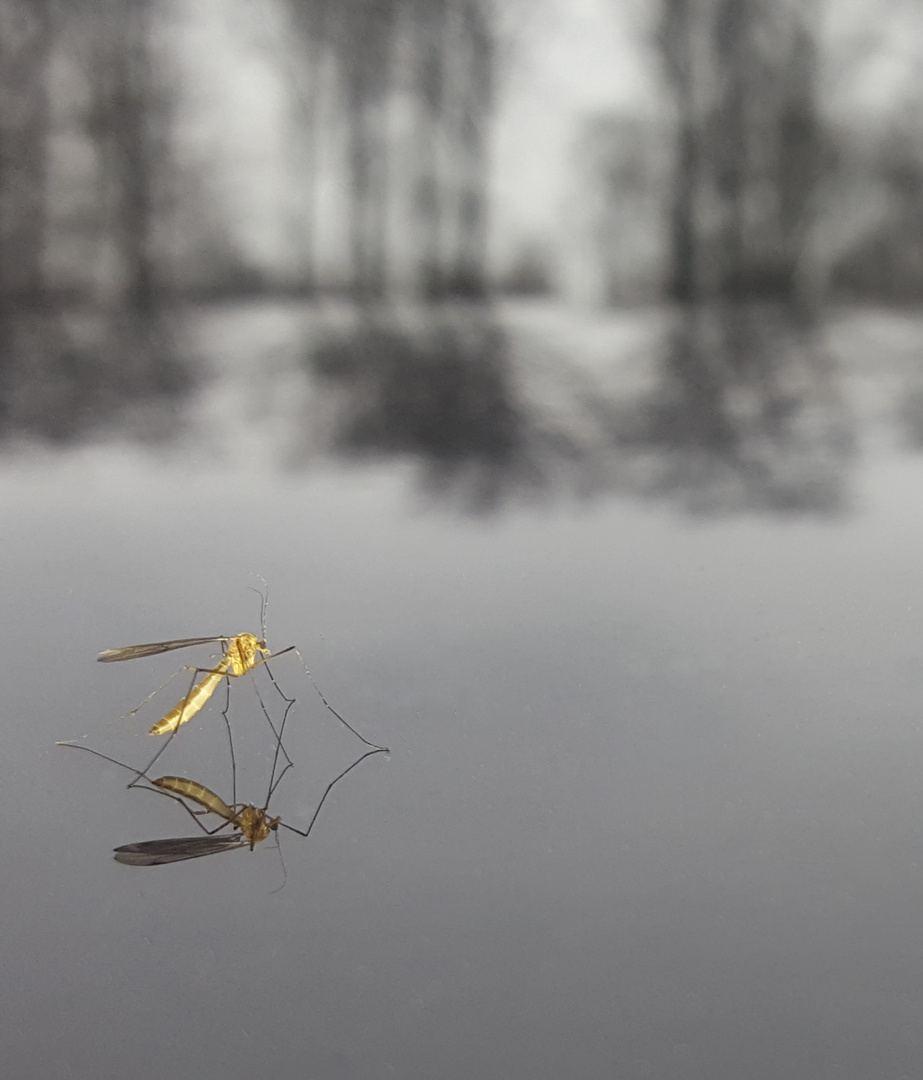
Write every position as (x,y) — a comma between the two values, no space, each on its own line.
(172,734)
(289,702)
(138,786)
(137,708)
(345,723)
(328,789)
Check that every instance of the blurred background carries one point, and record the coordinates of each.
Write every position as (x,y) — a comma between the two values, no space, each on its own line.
(556,367)
(443,226)
(609,153)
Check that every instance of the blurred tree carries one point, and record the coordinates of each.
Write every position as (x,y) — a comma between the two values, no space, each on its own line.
(129,122)
(429,32)
(884,259)
(675,39)
(26,39)
(743,79)
(363,35)
(621,197)
(476,98)
(310,22)
(437,168)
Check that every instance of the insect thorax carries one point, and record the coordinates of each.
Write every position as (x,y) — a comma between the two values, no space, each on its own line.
(242,652)
(254,824)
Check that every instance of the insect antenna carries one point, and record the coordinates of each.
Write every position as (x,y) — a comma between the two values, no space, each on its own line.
(264,604)
(264,608)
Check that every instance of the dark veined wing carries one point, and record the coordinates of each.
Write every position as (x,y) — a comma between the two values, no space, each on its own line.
(132,652)
(155,852)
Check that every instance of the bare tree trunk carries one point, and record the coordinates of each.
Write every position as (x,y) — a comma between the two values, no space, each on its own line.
(799,157)
(476,98)
(312,22)
(131,125)
(430,23)
(364,45)
(677,49)
(731,141)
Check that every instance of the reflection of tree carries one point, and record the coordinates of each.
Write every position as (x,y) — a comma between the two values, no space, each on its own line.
(66,378)
(444,393)
(746,414)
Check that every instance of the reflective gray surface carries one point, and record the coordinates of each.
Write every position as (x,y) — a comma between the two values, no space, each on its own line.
(653,802)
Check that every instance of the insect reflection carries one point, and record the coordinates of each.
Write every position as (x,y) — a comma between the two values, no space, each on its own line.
(250,823)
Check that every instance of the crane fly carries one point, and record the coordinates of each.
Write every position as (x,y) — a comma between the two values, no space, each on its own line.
(242,653)
(251,824)
(240,656)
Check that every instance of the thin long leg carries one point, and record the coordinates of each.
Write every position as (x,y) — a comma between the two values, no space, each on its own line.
(138,786)
(273,780)
(289,702)
(329,788)
(194,814)
(227,725)
(138,708)
(282,861)
(345,723)
(172,734)
(272,677)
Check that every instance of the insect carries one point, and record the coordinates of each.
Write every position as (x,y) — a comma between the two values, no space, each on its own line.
(240,656)
(250,823)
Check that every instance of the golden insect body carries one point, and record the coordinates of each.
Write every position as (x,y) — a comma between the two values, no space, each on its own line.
(242,654)
(252,822)
(196,792)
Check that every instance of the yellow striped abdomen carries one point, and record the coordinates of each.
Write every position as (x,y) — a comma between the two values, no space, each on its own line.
(196,792)
(193,701)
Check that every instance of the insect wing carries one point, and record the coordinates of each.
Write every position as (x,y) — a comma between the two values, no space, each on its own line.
(155,852)
(133,652)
